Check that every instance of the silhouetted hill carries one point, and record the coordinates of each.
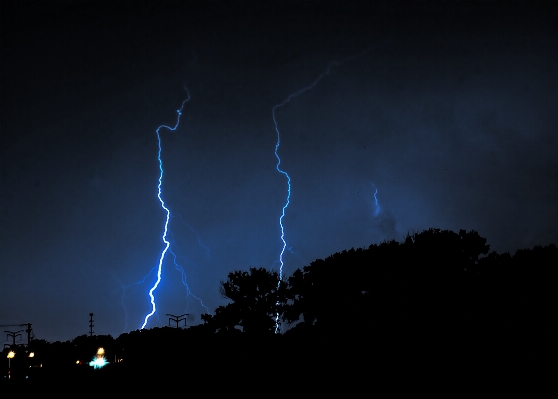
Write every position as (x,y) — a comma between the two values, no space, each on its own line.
(438,297)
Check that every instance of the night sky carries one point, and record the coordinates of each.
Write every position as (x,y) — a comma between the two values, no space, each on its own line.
(448,109)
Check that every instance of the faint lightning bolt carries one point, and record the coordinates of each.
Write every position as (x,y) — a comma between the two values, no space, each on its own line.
(159,195)
(377,208)
(283,172)
(185,282)
(200,243)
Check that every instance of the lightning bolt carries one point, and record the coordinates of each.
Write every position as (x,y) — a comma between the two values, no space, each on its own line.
(124,289)
(200,243)
(377,209)
(331,65)
(167,211)
(185,282)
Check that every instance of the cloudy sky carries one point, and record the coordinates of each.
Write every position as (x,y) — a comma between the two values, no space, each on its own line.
(448,110)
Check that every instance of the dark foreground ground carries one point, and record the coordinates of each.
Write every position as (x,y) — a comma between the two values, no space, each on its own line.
(314,368)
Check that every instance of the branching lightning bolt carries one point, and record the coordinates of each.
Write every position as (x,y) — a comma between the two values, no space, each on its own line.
(159,195)
(283,172)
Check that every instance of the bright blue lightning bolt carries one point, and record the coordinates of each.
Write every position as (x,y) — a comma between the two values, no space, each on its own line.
(164,237)
(124,288)
(287,202)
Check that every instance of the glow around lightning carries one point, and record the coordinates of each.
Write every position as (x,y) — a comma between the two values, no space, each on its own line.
(283,172)
(159,195)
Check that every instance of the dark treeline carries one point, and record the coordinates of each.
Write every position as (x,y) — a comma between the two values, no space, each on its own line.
(437,294)
(435,287)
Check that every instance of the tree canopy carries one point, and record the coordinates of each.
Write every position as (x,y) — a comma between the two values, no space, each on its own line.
(253,308)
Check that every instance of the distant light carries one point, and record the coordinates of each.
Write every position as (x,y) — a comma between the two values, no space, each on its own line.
(98,362)
(11,354)
(31,354)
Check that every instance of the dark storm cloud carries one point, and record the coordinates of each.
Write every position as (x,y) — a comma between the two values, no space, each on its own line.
(450,115)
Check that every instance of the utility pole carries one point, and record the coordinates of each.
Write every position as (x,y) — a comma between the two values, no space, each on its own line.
(90,324)
(29,331)
(178,319)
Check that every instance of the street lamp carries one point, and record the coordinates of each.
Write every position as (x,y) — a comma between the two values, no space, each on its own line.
(11,355)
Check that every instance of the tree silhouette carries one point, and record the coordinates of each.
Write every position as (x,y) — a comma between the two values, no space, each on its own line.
(254,296)
(393,287)
(332,294)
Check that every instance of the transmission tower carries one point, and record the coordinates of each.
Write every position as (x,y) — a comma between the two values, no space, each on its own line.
(13,334)
(178,319)
(90,324)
